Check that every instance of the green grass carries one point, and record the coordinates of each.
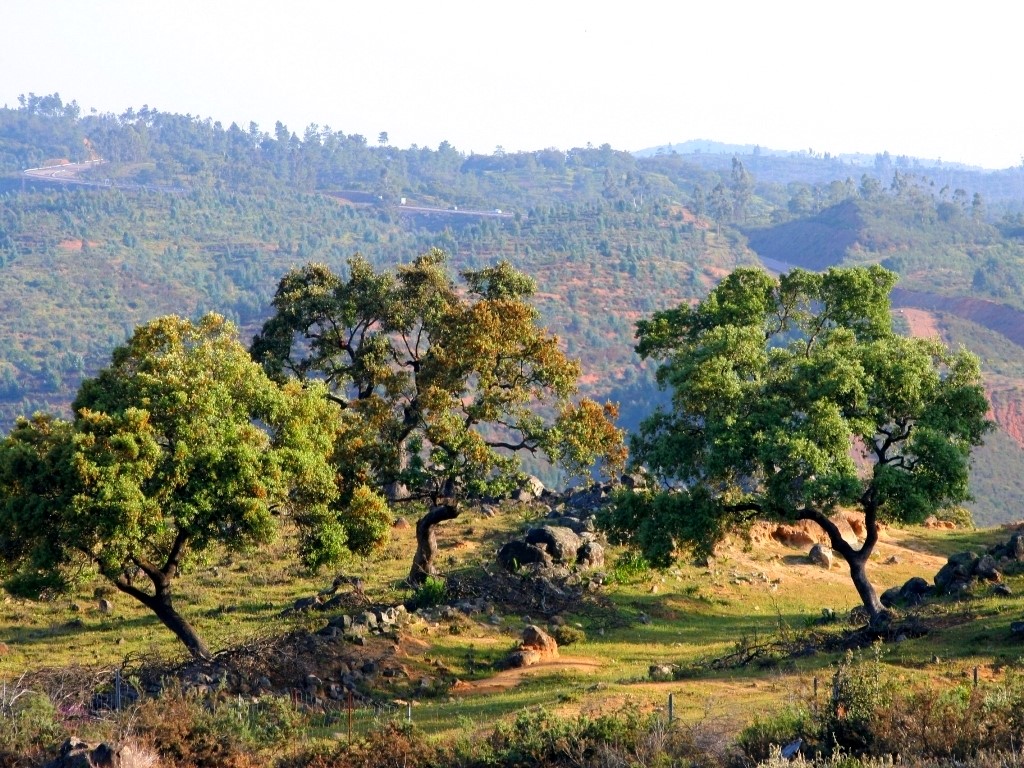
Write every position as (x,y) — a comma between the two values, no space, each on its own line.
(686,616)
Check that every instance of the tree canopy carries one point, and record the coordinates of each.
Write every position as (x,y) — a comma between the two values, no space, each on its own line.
(793,398)
(440,387)
(180,444)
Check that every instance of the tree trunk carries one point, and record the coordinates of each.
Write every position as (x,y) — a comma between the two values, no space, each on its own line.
(856,558)
(160,604)
(426,541)
(184,631)
(864,587)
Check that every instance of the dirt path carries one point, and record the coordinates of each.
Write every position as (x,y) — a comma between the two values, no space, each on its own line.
(509,678)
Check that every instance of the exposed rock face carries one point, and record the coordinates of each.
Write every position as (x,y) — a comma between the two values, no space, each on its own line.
(821,556)
(794,536)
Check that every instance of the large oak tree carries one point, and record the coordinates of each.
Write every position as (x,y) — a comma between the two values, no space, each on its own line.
(439,386)
(776,386)
(182,443)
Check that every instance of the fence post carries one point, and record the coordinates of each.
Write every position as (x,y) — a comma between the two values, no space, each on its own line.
(117,689)
(975,677)
(408,711)
(671,708)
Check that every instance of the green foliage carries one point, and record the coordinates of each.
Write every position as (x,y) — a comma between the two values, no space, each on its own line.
(630,566)
(29,723)
(442,389)
(180,444)
(566,634)
(433,591)
(775,384)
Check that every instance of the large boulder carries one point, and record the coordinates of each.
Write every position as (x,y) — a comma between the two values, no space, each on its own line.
(821,556)
(956,575)
(518,553)
(561,543)
(535,647)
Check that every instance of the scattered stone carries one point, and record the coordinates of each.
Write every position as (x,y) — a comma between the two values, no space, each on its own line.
(661,673)
(401,524)
(1017,630)
(821,556)
(75,753)
(892,560)
(791,750)
(105,606)
(1002,590)
(590,555)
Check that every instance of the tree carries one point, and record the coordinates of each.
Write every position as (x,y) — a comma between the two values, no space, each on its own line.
(742,189)
(776,385)
(181,444)
(443,386)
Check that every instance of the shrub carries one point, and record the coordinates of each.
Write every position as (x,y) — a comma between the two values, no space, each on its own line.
(630,566)
(566,635)
(29,724)
(430,593)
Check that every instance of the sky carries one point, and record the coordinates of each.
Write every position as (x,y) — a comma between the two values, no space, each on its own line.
(931,79)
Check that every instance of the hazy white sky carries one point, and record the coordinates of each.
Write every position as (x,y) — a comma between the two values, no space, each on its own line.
(931,79)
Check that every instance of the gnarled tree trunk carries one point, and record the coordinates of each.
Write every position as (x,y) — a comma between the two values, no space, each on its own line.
(856,559)
(161,604)
(426,541)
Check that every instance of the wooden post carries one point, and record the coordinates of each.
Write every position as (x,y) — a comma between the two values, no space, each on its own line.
(975,677)
(349,708)
(408,711)
(671,708)
(117,688)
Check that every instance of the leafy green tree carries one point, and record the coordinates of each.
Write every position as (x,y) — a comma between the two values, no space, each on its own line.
(181,444)
(776,386)
(440,388)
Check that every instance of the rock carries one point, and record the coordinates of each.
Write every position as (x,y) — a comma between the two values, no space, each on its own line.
(985,569)
(518,553)
(634,480)
(661,673)
(892,560)
(75,753)
(590,555)
(891,597)
(1017,630)
(522,495)
(537,639)
(524,657)
(958,568)
(791,750)
(535,486)
(589,498)
(914,590)
(401,524)
(821,556)
(488,510)
(4,649)
(329,631)
(368,619)
(105,606)
(1002,590)
(305,603)
(343,622)
(560,542)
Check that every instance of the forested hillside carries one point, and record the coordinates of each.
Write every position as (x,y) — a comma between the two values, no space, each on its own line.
(185,215)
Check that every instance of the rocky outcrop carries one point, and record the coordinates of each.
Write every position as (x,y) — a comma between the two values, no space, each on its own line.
(821,556)
(535,647)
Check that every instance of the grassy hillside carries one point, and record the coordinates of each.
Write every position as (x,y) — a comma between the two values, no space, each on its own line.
(756,600)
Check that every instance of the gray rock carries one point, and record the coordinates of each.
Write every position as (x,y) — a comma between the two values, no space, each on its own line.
(985,568)
(821,556)
(1017,630)
(516,554)
(105,606)
(1002,590)
(590,555)
(75,753)
(560,542)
